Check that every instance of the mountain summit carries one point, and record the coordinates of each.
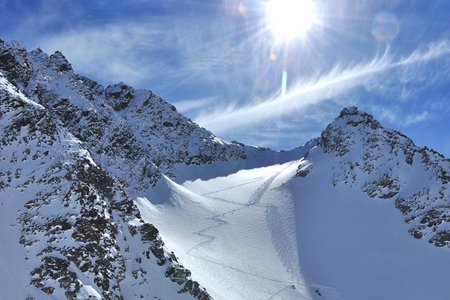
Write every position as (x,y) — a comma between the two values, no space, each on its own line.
(110,193)
(386,164)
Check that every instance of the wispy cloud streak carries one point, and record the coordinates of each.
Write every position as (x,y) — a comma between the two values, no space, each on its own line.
(192,105)
(321,88)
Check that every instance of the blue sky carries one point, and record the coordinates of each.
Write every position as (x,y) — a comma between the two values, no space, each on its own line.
(220,65)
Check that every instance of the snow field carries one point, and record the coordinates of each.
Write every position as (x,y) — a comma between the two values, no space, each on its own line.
(230,232)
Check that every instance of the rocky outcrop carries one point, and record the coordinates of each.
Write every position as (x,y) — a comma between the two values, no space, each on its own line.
(14,63)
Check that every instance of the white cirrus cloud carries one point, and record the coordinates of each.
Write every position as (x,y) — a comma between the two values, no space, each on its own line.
(162,52)
(416,118)
(323,88)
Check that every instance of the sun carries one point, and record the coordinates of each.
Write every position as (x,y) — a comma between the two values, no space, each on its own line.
(289,19)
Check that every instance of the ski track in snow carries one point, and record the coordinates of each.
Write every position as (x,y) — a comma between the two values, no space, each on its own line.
(255,198)
(234,186)
(271,215)
(280,291)
(281,241)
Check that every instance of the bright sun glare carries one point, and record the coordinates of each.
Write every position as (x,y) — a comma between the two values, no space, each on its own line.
(289,19)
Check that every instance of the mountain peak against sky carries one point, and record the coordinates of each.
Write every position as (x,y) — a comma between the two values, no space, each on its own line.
(355,127)
(384,163)
(354,111)
(353,116)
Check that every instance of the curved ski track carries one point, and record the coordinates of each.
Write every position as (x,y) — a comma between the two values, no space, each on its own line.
(253,201)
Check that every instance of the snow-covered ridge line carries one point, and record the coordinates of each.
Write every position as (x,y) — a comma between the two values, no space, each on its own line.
(133,134)
(12,90)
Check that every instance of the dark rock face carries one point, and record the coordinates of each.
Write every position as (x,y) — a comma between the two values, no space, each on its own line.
(56,269)
(385,188)
(175,272)
(14,64)
(193,288)
(76,216)
(119,96)
(60,63)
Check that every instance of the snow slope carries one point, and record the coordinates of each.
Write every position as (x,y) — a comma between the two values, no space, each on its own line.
(235,231)
(360,245)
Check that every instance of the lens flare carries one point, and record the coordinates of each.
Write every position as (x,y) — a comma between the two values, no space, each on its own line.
(243,10)
(284,83)
(385,27)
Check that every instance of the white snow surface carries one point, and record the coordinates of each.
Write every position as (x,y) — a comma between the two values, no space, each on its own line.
(264,233)
(12,90)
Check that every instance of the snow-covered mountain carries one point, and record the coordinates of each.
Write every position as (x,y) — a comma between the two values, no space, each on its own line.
(110,193)
(68,228)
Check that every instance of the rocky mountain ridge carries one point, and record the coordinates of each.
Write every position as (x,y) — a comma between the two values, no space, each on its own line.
(133,134)
(386,164)
(82,233)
